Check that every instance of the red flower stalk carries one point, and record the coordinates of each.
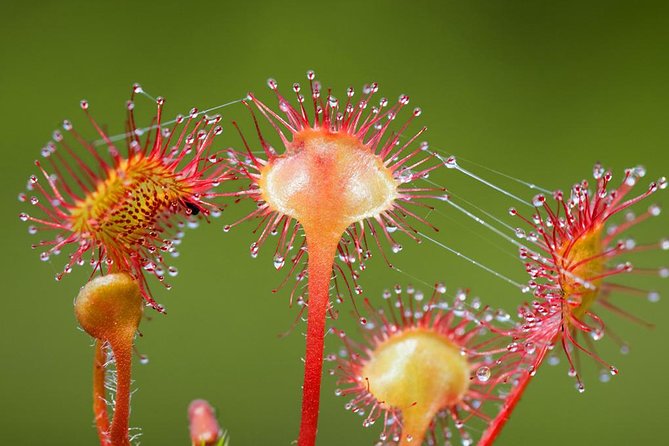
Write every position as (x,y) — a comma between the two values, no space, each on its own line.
(571,270)
(203,425)
(129,210)
(429,369)
(339,178)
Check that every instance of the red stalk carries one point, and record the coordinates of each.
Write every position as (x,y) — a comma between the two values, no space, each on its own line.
(321,258)
(122,349)
(99,395)
(500,420)
(109,308)
(117,435)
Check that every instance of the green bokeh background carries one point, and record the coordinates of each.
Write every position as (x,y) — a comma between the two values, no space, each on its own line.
(539,90)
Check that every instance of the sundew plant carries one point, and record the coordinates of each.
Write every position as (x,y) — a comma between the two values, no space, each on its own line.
(333,185)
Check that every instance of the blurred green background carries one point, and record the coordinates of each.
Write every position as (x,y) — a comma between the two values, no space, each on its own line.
(539,90)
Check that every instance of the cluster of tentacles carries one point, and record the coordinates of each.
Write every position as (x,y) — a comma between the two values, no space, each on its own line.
(128,211)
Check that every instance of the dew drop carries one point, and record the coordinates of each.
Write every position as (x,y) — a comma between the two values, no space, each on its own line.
(406,176)
(254,249)
(513,347)
(597,171)
(279,261)
(502,316)
(597,334)
(143,359)
(483,374)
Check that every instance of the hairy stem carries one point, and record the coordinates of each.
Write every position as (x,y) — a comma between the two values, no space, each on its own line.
(109,308)
(99,395)
(321,259)
(122,349)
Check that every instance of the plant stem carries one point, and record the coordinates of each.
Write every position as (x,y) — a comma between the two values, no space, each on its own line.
(117,435)
(414,426)
(99,396)
(109,308)
(122,348)
(500,420)
(321,258)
